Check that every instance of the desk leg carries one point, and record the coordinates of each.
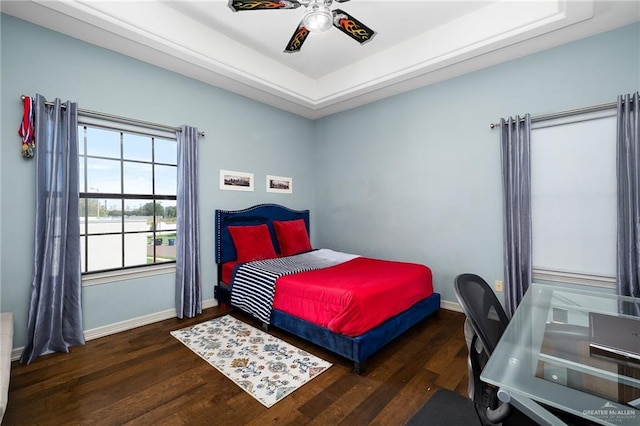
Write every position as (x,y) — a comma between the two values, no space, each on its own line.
(532,409)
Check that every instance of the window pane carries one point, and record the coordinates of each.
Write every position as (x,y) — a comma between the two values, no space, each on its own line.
(166,180)
(136,249)
(142,208)
(167,225)
(81,186)
(137,223)
(114,209)
(165,246)
(82,207)
(166,151)
(83,252)
(136,147)
(103,176)
(103,143)
(81,140)
(152,243)
(105,252)
(95,208)
(138,178)
(169,213)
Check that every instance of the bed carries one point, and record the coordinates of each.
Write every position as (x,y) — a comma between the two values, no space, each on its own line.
(344,321)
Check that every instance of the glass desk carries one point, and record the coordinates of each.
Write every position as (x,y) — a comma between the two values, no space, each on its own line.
(545,356)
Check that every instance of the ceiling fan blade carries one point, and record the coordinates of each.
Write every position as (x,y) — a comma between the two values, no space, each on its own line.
(239,5)
(341,1)
(352,27)
(297,39)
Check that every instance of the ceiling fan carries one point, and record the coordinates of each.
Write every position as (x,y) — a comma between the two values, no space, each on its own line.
(317,18)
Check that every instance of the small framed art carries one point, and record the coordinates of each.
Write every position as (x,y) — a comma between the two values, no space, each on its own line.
(283,185)
(236,181)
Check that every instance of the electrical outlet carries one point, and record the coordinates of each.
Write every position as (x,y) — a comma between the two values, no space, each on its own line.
(498,285)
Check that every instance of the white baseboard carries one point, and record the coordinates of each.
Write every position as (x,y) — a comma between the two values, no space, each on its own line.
(16,352)
(129,324)
(450,306)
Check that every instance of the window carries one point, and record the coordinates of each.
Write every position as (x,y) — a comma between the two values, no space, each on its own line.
(128,187)
(573,199)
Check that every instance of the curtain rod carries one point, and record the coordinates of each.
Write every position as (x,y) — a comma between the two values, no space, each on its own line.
(568,113)
(121,119)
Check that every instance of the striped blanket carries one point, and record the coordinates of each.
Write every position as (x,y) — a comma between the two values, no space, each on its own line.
(254,283)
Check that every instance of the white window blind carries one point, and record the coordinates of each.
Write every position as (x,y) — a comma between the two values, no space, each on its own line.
(573,205)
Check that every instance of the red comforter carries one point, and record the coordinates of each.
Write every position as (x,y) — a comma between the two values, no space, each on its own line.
(353,297)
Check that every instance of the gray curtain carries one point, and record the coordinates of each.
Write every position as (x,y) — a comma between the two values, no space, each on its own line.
(188,286)
(628,171)
(55,313)
(515,150)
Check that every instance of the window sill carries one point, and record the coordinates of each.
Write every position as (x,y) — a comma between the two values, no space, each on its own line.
(127,274)
(573,278)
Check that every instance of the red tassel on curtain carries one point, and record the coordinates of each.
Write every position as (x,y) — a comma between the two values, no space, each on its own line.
(26,128)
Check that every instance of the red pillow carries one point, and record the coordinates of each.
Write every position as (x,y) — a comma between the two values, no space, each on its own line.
(292,236)
(252,242)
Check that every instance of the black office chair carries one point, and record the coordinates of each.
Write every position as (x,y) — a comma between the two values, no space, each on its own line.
(488,321)
(483,309)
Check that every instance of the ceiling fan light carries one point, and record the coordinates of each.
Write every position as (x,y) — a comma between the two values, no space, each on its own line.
(318,18)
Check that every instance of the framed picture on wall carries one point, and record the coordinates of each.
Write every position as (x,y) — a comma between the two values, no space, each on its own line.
(281,184)
(236,181)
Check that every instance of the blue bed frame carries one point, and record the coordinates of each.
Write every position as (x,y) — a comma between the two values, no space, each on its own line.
(356,349)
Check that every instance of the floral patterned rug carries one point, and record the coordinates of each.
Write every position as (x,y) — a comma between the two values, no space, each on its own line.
(264,366)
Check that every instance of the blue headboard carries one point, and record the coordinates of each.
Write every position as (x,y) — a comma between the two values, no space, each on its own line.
(256,215)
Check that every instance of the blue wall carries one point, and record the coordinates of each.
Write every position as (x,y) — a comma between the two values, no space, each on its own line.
(417,176)
(241,135)
(414,177)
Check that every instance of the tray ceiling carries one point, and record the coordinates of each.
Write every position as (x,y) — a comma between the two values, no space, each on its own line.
(417,42)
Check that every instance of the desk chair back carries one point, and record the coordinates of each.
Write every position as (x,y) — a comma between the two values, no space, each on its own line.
(483,309)
(488,321)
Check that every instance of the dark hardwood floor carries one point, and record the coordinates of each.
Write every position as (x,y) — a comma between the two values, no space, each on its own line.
(145,376)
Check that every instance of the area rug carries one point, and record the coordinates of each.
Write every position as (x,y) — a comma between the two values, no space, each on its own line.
(264,366)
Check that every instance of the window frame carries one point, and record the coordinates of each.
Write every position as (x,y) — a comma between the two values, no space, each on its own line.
(562,276)
(123,272)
